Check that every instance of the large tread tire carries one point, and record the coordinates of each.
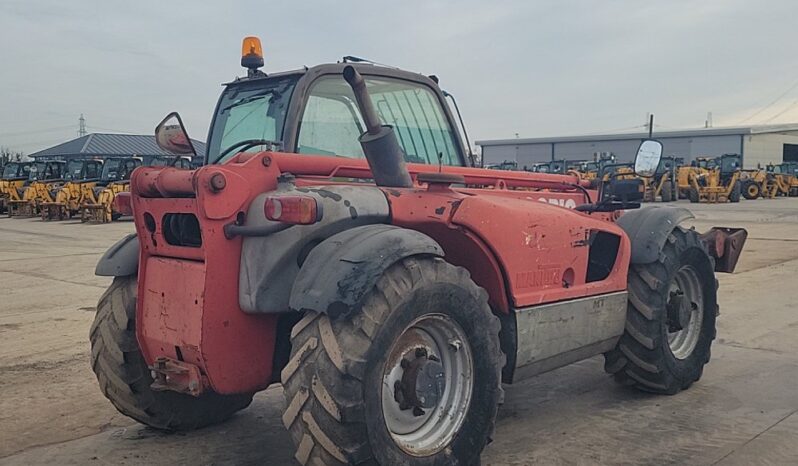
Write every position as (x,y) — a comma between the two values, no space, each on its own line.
(736,192)
(125,378)
(692,194)
(643,358)
(751,190)
(667,192)
(333,378)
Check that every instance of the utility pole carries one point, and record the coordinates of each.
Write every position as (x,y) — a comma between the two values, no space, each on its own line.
(708,122)
(82,130)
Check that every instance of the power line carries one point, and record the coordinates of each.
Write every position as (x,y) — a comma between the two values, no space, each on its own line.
(772,103)
(789,107)
(36,131)
(111,129)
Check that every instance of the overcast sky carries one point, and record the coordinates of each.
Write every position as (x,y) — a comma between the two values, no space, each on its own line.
(539,68)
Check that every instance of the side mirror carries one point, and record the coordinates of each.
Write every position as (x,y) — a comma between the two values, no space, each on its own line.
(171,136)
(647,159)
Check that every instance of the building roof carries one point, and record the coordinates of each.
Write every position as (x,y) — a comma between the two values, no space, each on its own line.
(718,131)
(109,145)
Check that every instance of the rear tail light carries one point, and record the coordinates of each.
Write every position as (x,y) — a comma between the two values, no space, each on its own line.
(122,203)
(297,210)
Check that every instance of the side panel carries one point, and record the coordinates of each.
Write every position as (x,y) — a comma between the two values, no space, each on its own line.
(543,249)
(553,335)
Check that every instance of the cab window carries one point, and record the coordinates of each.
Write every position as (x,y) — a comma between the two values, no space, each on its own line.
(331,122)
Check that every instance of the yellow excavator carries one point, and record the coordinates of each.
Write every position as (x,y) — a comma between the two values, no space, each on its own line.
(13,182)
(80,176)
(43,179)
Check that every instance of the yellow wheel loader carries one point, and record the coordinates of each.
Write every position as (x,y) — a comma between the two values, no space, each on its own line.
(80,176)
(13,182)
(719,182)
(44,178)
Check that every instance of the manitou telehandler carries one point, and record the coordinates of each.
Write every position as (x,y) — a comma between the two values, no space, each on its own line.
(12,182)
(44,178)
(80,176)
(338,241)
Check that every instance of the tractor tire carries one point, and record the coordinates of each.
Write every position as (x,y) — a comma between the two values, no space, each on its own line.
(692,194)
(125,378)
(670,320)
(736,192)
(751,190)
(667,192)
(345,380)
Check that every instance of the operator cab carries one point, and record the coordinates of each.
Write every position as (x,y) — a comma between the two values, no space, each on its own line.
(314,111)
(118,169)
(46,171)
(83,170)
(13,171)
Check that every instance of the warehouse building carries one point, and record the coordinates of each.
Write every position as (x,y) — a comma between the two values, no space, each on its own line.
(759,145)
(101,145)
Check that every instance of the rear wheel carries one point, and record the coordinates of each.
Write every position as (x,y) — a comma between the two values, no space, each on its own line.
(670,321)
(125,378)
(692,194)
(667,192)
(413,379)
(736,192)
(751,189)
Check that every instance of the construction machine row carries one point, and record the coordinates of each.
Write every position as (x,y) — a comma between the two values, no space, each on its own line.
(78,188)
(706,179)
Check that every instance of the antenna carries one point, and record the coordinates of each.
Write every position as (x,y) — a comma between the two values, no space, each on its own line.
(82,127)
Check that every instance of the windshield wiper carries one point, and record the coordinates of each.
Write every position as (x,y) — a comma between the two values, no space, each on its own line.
(248,99)
(248,144)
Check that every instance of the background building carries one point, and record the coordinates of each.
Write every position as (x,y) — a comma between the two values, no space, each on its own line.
(111,145)
(759,145)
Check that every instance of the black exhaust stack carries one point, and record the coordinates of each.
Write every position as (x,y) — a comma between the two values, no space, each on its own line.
(383,152)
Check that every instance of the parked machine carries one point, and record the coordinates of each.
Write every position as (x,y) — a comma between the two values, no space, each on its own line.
(98,201)
(718,181)
(506,165)
(784,179)
(12,182)
(390,298)
(43,180)
(663,185)
(80,177)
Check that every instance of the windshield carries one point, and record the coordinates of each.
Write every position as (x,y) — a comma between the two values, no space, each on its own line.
(255,110)
(14,170)
(111,169)
(36,170)
(73,170)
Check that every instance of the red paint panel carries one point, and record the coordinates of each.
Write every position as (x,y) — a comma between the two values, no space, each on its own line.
(538,245)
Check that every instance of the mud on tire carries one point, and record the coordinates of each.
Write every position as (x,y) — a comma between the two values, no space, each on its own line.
(643,357)
(125,378)
(334,377)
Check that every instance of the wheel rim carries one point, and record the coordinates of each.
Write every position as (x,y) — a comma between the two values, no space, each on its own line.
(753,190)
(424,431)
(686,284)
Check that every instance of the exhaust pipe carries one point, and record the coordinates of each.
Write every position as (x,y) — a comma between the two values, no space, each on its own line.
(380,145)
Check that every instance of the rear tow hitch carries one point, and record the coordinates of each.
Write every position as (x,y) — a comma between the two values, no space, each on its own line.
(177,376)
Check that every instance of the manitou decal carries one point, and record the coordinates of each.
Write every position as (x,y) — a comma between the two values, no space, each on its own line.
(567,203)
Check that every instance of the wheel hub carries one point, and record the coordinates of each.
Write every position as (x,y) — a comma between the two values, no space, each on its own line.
(423,382)
(679,311)
(427,384)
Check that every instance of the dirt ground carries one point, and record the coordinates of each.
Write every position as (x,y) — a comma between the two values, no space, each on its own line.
(743,411)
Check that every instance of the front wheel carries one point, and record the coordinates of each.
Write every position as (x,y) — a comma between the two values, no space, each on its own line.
(412,379)
(670,320)
(736,192)
(125,378)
